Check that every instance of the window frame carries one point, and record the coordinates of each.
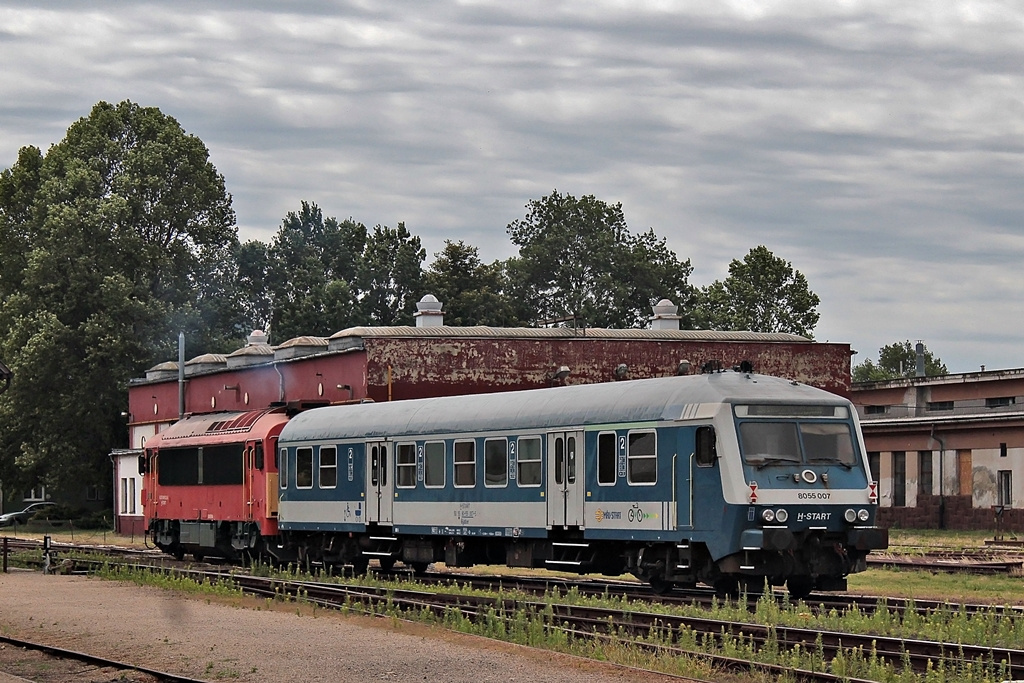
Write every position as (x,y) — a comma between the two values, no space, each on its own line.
(459,448)
(299,469)
(603,454)
(282,468)
(490,467)
(632,438)
(403,468)
(427,460)
(327,468)
(539,460)
(705,446)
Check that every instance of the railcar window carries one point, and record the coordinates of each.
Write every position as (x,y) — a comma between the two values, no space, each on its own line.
(328,467)
(606,458)
(405,460)
(642,458)
(465,463)
(178,467)
(529,463)
(570,459)
(559,460)
(282,467)
(828,442)
(222,465)
(496,462)
(766,442)
(433,464)
(706,448)
(304,468)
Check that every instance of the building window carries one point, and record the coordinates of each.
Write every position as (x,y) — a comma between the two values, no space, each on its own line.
(940,405)
(405,460)
(328,467)
(465,463)
(36,494)
(1002,450)
(899,479)
(924,473)
(606,458)
(1005,488)
(433,464)
(875,410)
(642,458)
(874,464)
(304,468)
(124,495)
(495,462)
(529,463)
(999,402)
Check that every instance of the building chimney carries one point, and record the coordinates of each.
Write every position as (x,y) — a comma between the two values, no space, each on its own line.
(428,312)
(665,316)
(919,370)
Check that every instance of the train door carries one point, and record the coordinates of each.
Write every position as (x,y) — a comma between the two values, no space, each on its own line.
(565,490)
(380,496)
(248,476)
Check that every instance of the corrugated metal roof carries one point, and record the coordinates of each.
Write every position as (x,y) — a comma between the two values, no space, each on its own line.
(568,333)
(214,423)
(615,402)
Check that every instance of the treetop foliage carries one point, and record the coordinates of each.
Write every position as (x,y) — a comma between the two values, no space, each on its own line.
(897,360)
(122,234)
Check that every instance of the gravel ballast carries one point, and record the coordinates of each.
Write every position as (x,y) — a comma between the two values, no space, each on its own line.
(246,640)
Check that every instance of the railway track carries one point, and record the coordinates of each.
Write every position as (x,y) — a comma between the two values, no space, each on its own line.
(59,665)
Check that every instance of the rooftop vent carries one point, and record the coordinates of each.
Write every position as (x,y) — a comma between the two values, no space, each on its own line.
(428,312)
(666,316)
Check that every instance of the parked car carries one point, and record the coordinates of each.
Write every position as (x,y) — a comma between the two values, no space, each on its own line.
(22,516)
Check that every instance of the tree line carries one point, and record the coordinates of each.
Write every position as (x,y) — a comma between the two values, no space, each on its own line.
(123,234)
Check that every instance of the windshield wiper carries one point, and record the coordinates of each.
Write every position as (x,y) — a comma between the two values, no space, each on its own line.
(842,464)
(774,461)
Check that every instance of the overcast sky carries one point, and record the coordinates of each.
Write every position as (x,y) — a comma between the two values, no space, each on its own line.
(877,146)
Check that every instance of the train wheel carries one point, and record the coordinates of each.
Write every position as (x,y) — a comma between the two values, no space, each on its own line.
(727,587)
(198,557)
(387,563)
(178,554)
(360,565)
(800,586)
(660,586)
(420,568)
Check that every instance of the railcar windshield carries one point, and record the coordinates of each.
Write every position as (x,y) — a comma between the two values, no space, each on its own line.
(779,435)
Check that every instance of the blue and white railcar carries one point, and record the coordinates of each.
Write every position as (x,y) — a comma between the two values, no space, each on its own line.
(723,478)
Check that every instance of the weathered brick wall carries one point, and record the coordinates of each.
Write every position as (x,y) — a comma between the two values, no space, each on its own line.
(960,514)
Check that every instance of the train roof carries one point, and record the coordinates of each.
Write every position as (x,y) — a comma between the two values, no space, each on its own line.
(643,400)
(213,425)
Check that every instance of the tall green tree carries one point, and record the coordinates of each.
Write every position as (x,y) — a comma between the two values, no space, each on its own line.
(896,360)
(392,280)
(115,239)
(763,293)
(313,271)
(577,258)
(472,292)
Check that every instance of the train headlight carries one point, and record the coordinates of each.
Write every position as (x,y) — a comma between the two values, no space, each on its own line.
(850,515)
(863,515)
(767,516)
(781,516)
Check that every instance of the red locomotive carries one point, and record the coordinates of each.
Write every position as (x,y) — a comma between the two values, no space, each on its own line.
(211,484)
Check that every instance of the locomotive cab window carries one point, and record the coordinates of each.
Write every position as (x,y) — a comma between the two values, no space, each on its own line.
(304,468)
(328,467)
(705,449)
(465,464)
(642,458)
(405,460)
(433,464)
(495,463)
(529,463)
